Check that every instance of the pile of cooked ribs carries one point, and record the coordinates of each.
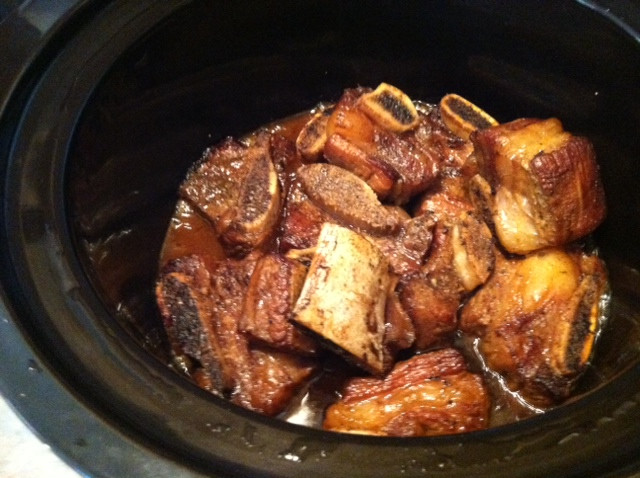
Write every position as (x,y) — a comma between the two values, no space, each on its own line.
(380,230)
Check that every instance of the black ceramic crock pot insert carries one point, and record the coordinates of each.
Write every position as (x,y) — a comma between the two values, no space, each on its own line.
(104,106)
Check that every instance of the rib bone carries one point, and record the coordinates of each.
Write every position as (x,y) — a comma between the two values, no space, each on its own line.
(343,297)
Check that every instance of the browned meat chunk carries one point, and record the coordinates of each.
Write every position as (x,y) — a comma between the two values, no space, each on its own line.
(237,187)
(346,197)
(272,380)
(461,258)
(283,155)
(546,184)
(343,153)
(349,121)
(536,319)
(201,310)
(432,307)
(212,183)
(437,143)
(302,221)
(273,291)
(415,167)
(351,144)
(393,161)
(257,210)
(429,394)
(447,200)
(406,249)
(399,331)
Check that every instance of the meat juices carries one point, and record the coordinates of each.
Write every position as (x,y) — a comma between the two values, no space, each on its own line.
(366,244)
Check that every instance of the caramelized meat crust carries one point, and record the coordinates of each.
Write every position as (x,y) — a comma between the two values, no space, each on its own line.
(400,332)
(257,210)
(212,183)
(460,259)
(536,319)
(272,379)
(429,394)
(404,240)
(546,184)
(201,311)
(444,149)
(302,221)
(273,291)
(396,164)
(378,175)
(432,308)
(407,248)
(237,188)
(349,144)
(346,197)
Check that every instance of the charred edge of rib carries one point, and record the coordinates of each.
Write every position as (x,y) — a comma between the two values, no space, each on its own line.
(580,334)
(184,309)
(256,191)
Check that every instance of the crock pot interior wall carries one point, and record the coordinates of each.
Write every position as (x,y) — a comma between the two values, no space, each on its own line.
(155,98)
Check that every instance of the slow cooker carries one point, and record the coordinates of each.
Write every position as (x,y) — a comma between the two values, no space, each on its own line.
(103,107)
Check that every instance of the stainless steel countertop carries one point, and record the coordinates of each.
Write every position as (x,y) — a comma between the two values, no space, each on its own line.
(23,454)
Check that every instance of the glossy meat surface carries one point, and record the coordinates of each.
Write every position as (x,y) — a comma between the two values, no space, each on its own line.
(201,310)
(236,186)
(407,248)
(536,319)
(400,330)
(302,221)
(252,219)
(272,293)
(396,165)
(211,184)
(546,183)
(460,259)
(429,394)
